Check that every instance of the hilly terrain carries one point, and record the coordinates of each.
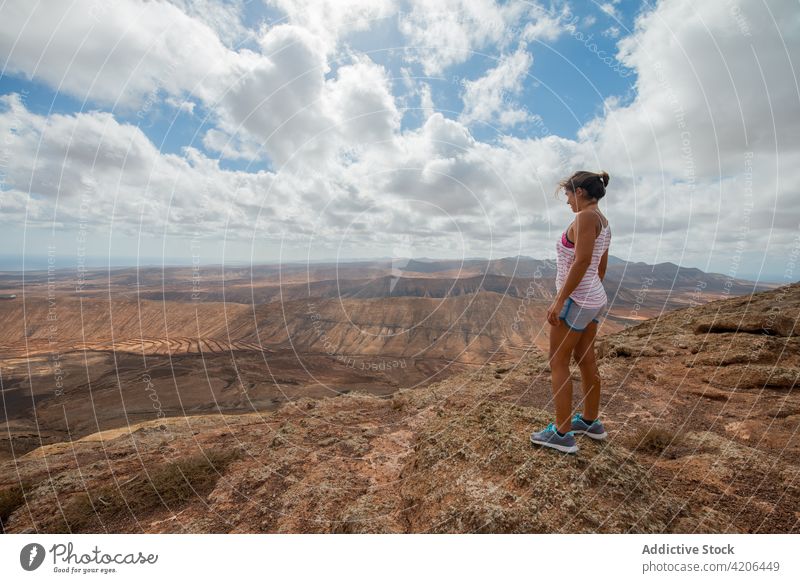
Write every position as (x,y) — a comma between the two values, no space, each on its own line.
(701,404)
(101,349)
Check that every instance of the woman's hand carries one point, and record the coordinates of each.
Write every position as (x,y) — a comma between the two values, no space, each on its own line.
(553,311)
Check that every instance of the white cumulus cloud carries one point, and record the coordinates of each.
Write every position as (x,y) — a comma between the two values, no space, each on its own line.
(489,98)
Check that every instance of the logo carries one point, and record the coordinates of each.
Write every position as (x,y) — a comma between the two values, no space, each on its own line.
(31,556)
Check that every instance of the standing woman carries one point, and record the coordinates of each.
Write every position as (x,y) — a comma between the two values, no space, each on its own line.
(582,257)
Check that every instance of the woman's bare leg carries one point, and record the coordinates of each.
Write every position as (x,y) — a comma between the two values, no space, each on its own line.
(562,343)
(590,375)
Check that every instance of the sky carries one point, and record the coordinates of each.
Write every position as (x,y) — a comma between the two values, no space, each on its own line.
(291,130)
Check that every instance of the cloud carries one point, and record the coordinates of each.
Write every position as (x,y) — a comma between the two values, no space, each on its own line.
(712,128)
(141,54)
(224,17)
(360,99)
(232,147)
(274,96)
(609,9)
(330,20)
(704,93)
(443,33)
(543,24)
(185,106)
(282,101)
(705,151)
(89,168)
(488,99)
(114,55)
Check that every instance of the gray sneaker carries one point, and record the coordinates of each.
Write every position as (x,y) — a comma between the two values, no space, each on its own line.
(549,438)
(595,430)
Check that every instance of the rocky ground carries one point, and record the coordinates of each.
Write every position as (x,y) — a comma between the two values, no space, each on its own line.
(702,407)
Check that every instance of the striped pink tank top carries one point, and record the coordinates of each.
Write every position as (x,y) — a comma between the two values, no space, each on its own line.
(590,292)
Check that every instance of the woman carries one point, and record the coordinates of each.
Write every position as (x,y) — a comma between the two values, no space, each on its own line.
(582,257)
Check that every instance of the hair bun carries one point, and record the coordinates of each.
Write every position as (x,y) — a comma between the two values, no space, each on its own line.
(588,181)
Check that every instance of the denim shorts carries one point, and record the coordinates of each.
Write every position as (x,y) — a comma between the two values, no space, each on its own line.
(577,318)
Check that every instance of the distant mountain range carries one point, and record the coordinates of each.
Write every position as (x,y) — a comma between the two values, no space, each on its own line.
(519,266)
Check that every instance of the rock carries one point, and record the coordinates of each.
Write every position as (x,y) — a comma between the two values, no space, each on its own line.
(769,323)
(756,377)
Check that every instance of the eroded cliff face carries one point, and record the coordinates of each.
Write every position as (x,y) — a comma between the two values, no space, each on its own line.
(702,407)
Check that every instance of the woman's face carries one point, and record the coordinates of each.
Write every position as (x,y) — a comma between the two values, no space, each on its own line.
(571,201)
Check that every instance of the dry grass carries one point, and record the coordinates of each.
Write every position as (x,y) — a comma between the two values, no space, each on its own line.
(169,486)
(475,470)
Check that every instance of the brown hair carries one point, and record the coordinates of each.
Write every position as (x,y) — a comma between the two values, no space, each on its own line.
(594,183)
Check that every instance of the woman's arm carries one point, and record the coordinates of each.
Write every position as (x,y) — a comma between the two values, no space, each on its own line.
(585,234)
(601,269)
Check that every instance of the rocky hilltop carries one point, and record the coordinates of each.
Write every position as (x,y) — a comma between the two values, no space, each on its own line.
(702,406)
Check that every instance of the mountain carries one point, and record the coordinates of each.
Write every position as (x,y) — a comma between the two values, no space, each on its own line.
(701,404)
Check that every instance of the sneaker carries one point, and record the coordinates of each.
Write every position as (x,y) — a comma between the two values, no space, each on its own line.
(549,438)
(595,430)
